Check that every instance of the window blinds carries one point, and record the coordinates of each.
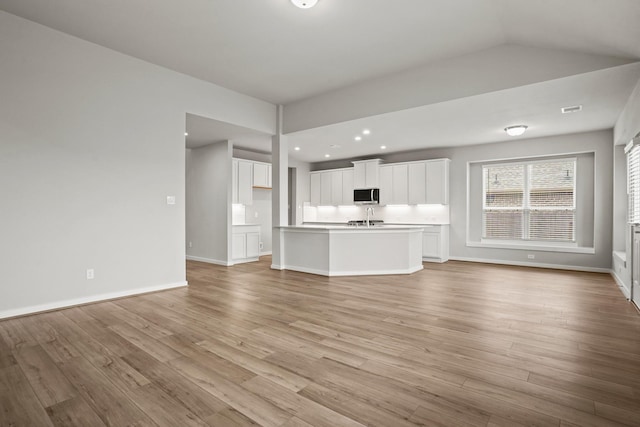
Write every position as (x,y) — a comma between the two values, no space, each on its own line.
(530,201)
(633,180)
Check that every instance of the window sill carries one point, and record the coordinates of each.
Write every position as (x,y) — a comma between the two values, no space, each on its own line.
(533,247)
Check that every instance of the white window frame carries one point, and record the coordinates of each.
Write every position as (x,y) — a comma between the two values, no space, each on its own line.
(526,242)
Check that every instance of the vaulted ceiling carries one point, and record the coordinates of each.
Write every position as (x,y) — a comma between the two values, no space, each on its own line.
(274,51)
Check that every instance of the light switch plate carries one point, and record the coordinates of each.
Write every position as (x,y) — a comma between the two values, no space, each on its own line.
(171,200)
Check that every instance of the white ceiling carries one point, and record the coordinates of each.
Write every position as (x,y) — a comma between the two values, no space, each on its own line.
(273,51)
(479,119)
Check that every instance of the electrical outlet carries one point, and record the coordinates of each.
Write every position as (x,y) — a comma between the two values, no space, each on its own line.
(261,245)
(90,274)
(171,200)
(531,256)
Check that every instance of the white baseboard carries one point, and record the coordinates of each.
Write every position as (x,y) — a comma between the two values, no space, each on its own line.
(265,253)
(350,273)
(243,260)
(533,264)
(276,267)
(626,292)
(209,260)
(86,300)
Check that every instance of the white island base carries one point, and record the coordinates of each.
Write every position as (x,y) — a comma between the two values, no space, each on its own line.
(351,251)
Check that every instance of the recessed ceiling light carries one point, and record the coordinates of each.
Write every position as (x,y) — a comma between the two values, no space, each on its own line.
(515,130)
(186,134)
(572,109)
(297,148)
(366,132)
(327,155)
(358,138)
(304,4)
(383,147)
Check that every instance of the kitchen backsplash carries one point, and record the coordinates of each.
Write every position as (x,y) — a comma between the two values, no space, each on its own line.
(420,214)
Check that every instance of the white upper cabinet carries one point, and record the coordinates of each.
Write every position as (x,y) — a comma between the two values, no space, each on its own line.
(386,184)
(331,188)
(314,192)
(261,175)
(437,180)
(234,181)
(365,174)
(245,182)
(347,187)
(326,185)
(410,183)
(393,184)
(417,183)
(336,187)
(400,183)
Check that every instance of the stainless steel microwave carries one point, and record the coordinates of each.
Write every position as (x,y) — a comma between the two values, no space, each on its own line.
(366,196)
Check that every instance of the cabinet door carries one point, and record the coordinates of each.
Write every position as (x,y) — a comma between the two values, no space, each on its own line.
(260,175)
(400,192)
(336,188)
(431,245)
(371,176)
(359,175)
(269,176)
(417,183)
(234,181)
(325,189)
(347,187)
(438,182)
(386,185)
(245,182)
(238,246)
(253,245)
(314,191)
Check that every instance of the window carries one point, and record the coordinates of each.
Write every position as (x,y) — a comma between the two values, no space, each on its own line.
(633,180)
(530,201)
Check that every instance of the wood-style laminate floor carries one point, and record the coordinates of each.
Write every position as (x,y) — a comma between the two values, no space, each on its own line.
(458,344)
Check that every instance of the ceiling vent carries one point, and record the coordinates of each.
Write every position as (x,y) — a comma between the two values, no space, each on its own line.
(573,109)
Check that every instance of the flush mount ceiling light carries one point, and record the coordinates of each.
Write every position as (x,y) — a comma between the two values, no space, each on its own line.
(297,148)
(572,109)
(358,138)
(304,4)
(515,130)
(366,132)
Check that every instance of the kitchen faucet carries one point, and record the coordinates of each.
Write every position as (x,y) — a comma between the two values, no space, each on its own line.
(370,211)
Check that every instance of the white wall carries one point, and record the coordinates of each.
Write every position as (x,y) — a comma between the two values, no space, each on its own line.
(599,142)
(91,144)
(208,203)
(628,124)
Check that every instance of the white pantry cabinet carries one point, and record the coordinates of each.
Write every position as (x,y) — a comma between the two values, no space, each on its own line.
(435,243)
(245,243)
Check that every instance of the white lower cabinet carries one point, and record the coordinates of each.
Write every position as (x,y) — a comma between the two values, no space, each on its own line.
(435,243)
(245,243)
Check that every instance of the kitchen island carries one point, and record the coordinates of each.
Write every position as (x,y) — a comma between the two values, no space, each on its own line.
(340,250)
